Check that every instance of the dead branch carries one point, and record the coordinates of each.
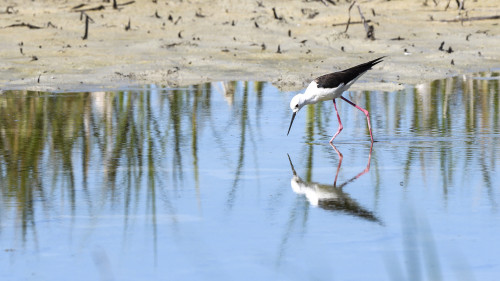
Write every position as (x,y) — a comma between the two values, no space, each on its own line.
(323,1)
(97,8)
(352,22)
(473,19)
(349,12)
(370,29)
(23,24)
(460,4)
(87,21)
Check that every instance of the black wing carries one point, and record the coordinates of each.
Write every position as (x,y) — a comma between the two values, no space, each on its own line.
(333,80)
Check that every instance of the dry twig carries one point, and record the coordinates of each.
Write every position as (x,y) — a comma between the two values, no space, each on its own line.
(473,19)
(349,12)
(370,30)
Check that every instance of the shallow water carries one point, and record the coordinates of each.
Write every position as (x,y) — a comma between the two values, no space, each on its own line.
(203,183)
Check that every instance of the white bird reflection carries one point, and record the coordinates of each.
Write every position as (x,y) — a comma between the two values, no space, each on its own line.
(332,197)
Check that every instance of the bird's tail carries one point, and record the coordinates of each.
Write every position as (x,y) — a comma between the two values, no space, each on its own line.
(375,61)
(370,64)
(364,67)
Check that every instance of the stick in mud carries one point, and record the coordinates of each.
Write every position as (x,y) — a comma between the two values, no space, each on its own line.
(460,4)
(276,15)
(347,23)
(87,20)
(496,17)
(441,46)
(370,29)
(85,35)
(21,48)
(98,8)
(78,7)
(127,27)
(349,12)
(23,24)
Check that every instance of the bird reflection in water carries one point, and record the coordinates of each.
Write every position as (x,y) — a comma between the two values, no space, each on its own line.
(333,197)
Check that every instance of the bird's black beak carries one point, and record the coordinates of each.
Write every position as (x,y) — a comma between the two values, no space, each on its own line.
(291,122)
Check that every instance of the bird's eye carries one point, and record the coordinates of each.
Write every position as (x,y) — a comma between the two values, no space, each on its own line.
(296,105)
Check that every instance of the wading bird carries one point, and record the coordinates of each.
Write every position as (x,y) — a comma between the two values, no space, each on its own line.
(330,87)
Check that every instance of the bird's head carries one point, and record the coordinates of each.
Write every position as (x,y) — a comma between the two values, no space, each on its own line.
(296,104)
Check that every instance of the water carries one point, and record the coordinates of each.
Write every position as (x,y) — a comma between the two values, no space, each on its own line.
(202,183)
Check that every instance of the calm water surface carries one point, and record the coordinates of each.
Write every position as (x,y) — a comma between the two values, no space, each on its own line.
(202,183)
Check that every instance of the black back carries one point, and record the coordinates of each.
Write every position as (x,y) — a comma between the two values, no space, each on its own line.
(333,80)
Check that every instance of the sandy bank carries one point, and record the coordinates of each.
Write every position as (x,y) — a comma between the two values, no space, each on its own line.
(176,43)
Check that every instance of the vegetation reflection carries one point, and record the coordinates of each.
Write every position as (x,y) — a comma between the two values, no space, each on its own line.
(125,142)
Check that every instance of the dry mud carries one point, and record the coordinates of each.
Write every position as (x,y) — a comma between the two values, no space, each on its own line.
(177,43)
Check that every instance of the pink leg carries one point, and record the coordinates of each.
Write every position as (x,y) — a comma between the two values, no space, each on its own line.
(365,112)
(340,122)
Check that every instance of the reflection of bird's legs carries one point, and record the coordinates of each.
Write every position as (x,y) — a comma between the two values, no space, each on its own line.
(367,165)
(338,166)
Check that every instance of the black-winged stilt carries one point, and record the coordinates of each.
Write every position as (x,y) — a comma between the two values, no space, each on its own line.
(330,87)
(332,197)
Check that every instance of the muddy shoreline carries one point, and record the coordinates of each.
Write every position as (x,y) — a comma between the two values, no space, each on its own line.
(178,43)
